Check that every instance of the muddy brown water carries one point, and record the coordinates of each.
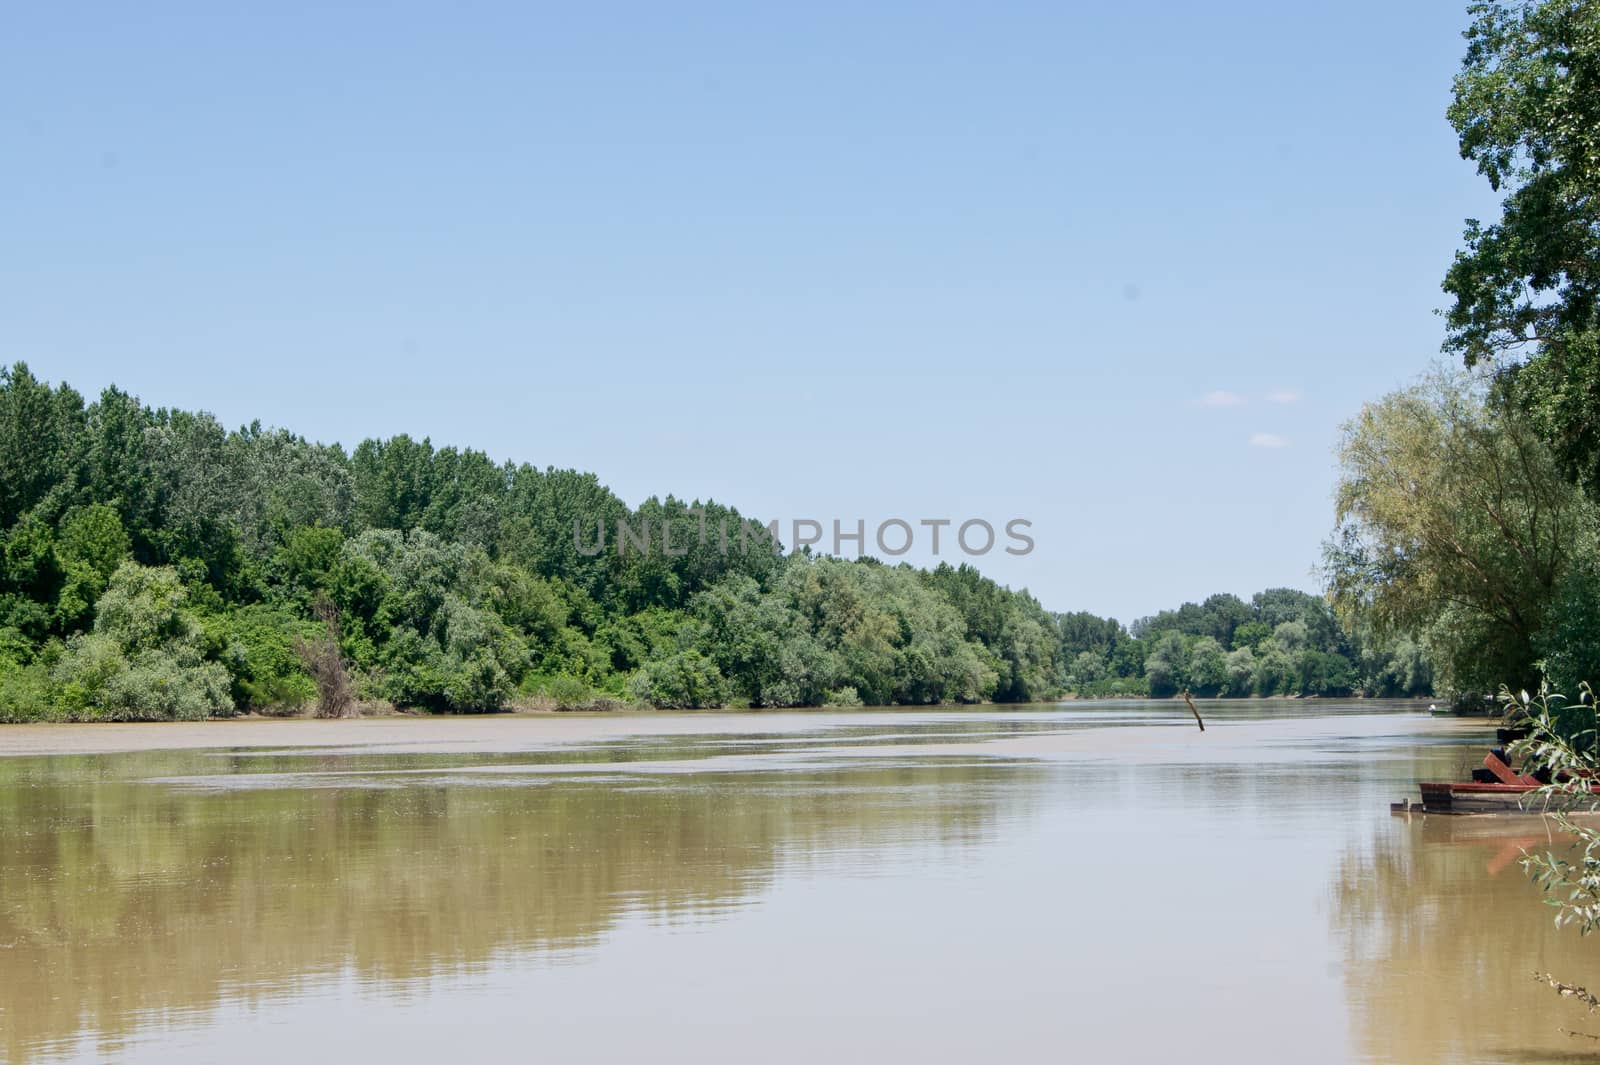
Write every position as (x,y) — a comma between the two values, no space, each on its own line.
(1025,884)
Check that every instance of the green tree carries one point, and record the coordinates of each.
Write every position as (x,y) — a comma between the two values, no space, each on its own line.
(1455,522)
(1276,673)
(457,583)
(302,566)
(1275,606)
(563,524)
(280,482)
(1082,631)
(1570,642)
(1397,666)
(144,658)
(1011,625)
(89,547)
(393,482)
(30,577)
(1166,667)
(258,645)
(1217,618)
(1251,634)
(1087,668)
(1292,636)
(1526,288)
(40,440)
(1208,666)
(118,467)
(1240,665)
(686,680)
(417,611)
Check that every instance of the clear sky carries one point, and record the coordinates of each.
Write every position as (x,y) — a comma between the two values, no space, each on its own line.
(1120,270)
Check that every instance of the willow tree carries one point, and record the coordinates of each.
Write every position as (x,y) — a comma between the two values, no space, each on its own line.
(1454,521)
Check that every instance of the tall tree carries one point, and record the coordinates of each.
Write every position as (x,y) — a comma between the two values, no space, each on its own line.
(1454,520)
(1526,288)
(39,435)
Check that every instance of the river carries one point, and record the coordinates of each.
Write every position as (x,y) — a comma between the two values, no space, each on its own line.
(1054,883)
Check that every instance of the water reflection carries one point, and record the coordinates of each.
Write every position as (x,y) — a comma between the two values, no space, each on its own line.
(957,886)
(1443,932)
(125,902)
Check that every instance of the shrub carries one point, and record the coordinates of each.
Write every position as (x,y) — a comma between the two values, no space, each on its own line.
(686,680)
(143,661)
(258,645)
(565,692)
(25,692)
(95,680)
(1115,688)
(156,686)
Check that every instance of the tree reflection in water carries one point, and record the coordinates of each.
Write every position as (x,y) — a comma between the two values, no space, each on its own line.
(122,899)
(1442,933)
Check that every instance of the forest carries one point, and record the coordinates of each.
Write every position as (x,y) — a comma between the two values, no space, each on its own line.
(156,565)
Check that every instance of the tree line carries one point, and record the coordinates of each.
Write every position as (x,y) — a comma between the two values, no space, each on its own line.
(1281,642)
(154,564)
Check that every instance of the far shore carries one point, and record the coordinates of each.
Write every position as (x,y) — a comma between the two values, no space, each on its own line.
(400,733)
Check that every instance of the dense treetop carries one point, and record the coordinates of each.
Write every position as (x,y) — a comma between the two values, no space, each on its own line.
(156,564)
(1526,288)
(1456,524)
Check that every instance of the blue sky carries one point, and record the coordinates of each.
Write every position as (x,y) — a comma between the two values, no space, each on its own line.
(1121,272)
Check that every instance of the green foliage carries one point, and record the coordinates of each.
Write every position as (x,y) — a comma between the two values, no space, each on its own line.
(1318,671)
(144,659)
(1251,634)
(1397,666)
(1570,641)
(1276,672)
(1526,288)
(96,680)
(156,564)
(91,544)
(1456,525)
(686,680)
(1085,670)
(1283,642)
(26,693)
(1239,671)
(142,609)
(1207,667)
(1563,746)
(258,645)
(303,564)
(882,629)
(1082,631)
(1012,625)
(1218,617)
(38,462)
(29,577)
(827,624)
(1114,687)
(415,610)
(563,692)
(1166,668)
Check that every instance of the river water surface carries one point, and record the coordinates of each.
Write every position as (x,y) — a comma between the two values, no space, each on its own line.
(1075,882)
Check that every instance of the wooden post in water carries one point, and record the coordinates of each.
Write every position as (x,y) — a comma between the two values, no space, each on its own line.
(1193,710)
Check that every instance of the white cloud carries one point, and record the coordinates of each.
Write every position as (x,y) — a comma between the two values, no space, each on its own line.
(1219,398)
(1284,395)
(1267,440)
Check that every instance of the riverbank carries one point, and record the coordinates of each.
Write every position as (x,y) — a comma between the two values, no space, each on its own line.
(399,733)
